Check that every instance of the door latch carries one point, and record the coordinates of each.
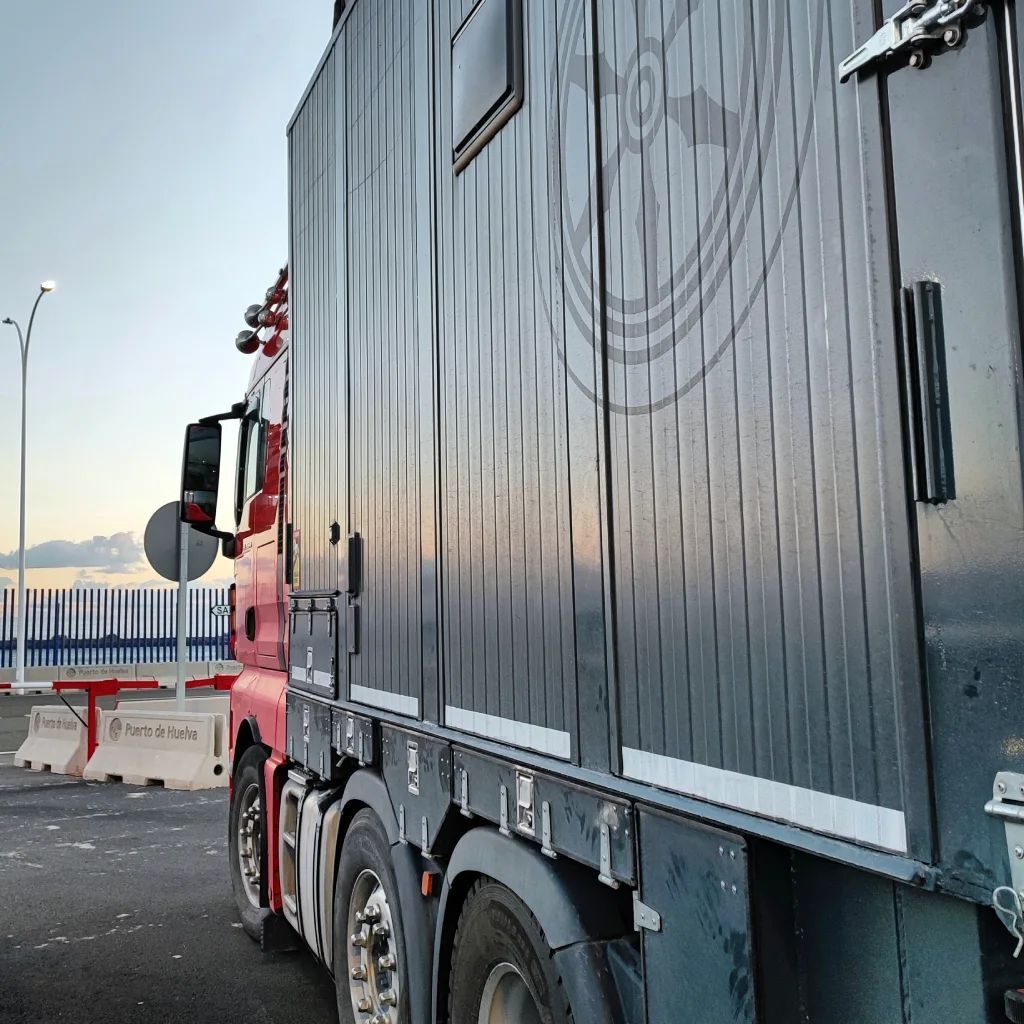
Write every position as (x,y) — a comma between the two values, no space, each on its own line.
(1007,805)
(916,29)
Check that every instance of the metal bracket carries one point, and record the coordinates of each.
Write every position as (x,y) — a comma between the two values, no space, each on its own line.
(503,811)
(644,917)
(413,766)
(545,831)
(606,858)
(424,837)
(401,824)
(526,820)
(464,795)
(916,25)
(1007,804)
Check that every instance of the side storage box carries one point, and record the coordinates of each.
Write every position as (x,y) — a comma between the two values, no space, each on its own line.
(313,626)
(309,735)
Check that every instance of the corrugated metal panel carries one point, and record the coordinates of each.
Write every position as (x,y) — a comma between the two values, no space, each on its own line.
(762,561)
(385,345)
(316,408)
(507,597)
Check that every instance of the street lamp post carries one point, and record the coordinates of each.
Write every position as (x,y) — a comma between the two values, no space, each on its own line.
(24,342)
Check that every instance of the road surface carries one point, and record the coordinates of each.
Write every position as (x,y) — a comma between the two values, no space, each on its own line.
(115,906)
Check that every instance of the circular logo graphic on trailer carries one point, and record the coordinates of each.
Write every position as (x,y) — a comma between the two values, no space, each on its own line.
(115,730)
(705,115)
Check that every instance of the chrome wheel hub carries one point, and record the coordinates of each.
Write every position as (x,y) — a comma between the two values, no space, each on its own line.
(249,843)
(507,998)
(373,978)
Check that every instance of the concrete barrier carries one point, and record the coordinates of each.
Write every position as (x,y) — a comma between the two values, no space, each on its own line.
(56,741)
(216,704)
(141,747)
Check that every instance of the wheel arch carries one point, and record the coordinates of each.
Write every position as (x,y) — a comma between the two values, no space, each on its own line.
(247,735)
(559,894)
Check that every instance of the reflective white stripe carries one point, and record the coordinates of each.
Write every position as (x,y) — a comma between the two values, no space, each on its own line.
(389,701)
(322,679)
(298,674)
(820,812)
(508,730)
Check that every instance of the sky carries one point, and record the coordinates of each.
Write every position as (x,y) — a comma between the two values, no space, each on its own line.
(143,166)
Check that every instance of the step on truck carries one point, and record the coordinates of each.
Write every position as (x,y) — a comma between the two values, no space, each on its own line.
(629,537)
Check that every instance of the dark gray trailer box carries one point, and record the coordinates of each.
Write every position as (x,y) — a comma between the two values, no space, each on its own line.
(655,413)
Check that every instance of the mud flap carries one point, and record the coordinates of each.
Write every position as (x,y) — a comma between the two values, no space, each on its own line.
(699,965)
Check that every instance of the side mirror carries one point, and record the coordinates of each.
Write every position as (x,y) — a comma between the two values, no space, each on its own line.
(200,476)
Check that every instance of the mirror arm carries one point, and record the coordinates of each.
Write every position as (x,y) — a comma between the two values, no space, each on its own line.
(237,412)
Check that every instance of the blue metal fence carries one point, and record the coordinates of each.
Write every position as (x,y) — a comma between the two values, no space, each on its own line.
(117,626)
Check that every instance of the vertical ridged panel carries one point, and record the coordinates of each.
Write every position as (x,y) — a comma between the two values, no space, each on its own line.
(315,415)
(384,332)
(762,559)
(509,644)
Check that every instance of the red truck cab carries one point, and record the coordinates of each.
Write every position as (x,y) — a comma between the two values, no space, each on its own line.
(257,546)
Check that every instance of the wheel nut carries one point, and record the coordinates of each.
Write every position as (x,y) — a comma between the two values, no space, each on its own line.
(381,931)
(359,973)
(364,1004)
(371,913)
(388,998)
(360,939)
(386,962)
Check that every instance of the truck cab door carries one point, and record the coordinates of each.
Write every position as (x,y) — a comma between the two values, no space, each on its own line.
(258,569)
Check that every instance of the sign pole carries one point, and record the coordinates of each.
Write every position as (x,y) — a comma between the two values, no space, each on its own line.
(179,695)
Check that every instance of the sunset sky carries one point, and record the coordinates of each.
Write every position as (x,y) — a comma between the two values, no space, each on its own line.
(143,167)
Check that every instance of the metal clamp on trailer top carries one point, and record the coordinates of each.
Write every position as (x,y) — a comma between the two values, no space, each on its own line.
(916,30)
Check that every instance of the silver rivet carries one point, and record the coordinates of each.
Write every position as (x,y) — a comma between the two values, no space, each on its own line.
(1001,786)
(1018,852)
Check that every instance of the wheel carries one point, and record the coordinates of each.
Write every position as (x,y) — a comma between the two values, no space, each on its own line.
(247,841)
(502,971)
(370,974)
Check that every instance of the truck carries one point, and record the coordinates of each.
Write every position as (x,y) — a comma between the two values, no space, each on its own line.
(629,517)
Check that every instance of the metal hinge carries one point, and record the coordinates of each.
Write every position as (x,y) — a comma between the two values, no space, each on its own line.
(915,29)
(645,918)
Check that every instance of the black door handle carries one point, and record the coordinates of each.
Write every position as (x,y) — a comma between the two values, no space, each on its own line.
(250,623)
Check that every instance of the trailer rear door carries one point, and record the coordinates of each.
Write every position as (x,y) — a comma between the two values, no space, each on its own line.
(763,587)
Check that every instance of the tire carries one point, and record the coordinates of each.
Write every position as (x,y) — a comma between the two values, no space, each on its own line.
(500,958)
(366,884)
(245,787)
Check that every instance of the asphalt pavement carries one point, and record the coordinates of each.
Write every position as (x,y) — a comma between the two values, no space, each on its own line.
(115,905)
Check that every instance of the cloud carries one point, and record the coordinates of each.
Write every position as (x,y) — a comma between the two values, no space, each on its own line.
(116,553)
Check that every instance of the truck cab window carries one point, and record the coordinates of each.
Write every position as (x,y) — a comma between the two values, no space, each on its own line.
(252,457)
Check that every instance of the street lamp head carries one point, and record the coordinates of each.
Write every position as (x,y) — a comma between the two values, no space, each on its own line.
(6,320)
(48,286)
